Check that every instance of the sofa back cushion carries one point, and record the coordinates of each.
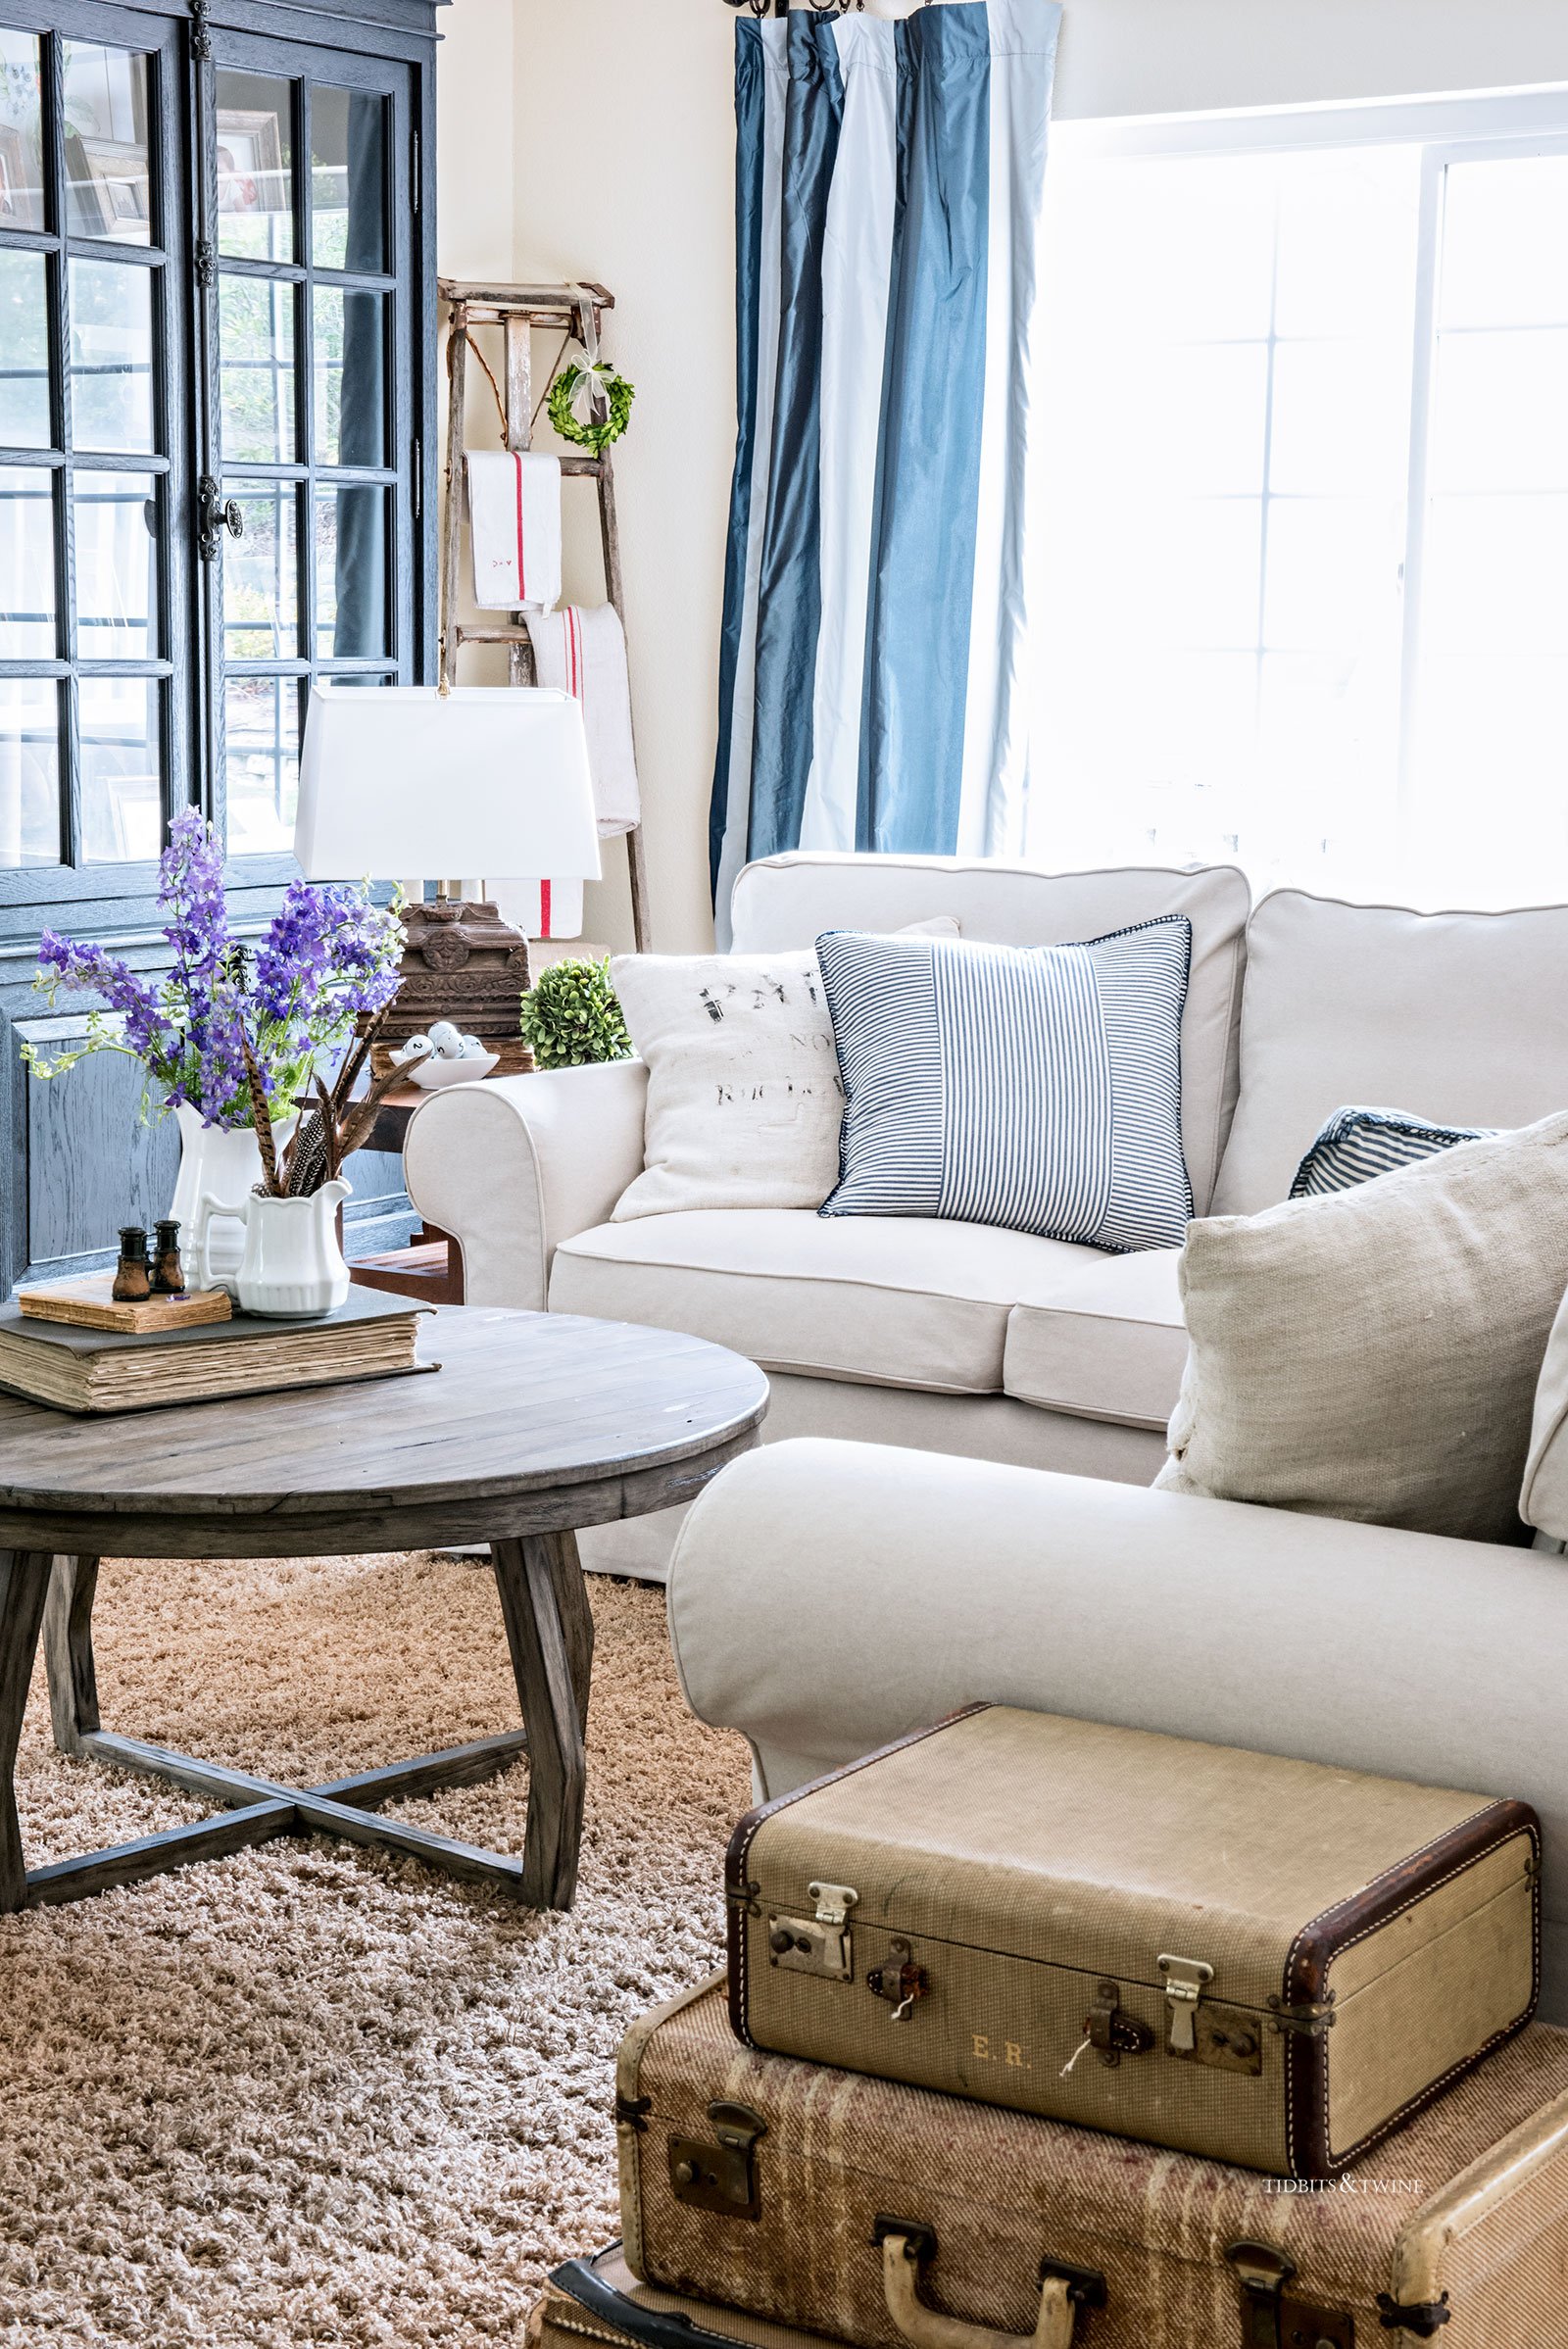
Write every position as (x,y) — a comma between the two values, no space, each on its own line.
(782,900)
(1460,1017)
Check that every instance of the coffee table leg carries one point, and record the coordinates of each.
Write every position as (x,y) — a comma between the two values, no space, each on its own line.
(23,1584)
(549,1633)
(67,1652)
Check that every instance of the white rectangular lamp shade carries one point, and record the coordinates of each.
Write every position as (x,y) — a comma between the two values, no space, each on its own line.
(402,781)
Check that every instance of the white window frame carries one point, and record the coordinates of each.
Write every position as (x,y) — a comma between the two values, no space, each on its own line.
(1465,127)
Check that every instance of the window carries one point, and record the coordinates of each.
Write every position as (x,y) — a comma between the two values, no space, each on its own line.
(1303,510)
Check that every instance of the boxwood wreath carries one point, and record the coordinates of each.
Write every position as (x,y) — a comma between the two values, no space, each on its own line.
(564,416)
(572,1015)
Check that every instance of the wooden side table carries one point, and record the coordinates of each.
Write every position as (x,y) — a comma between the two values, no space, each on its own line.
(431,1265)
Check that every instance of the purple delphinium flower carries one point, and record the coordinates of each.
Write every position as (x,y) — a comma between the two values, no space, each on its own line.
(328,952)
(328,957)
(190,893)
(149,1034)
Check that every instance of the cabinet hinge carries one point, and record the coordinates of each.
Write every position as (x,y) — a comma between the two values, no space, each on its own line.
(417,478)
(200,39)
(413,171)
(205,264)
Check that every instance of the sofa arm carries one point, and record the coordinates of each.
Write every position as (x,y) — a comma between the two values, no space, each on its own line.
(513,1166)
(825,1598)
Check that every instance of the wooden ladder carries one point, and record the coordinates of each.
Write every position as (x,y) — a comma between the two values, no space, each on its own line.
(518,310)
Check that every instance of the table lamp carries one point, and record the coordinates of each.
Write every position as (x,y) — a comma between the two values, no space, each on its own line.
(398,781)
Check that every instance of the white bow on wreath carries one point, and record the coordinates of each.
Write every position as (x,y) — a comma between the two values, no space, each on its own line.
(589,396)
(590,403)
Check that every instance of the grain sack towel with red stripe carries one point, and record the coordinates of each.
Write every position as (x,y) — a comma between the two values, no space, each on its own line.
(515,525)
(584,651)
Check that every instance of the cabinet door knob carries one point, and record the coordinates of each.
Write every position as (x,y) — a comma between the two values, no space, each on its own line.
(215,513)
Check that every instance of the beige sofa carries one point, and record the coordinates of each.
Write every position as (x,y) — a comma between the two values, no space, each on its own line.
(954,1338)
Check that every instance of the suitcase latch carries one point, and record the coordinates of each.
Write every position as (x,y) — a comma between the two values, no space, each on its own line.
(833,1902)
(720,2176)
(1272,2316)
(806,1945)
(1186,1979)
(901,1981)
(1110,2031)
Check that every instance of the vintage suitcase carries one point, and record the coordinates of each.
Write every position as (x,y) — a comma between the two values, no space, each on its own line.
(1220,1952)
(886,2216)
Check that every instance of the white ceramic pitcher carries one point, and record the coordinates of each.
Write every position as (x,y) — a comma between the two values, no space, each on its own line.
(225,1161)
(292,1268)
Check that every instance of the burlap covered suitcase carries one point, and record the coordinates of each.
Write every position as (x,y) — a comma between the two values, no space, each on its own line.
(894,2218)
(1221,1952)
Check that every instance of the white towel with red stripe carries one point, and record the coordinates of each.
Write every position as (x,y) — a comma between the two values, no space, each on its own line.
(515,527)
(541,909)
(583,652)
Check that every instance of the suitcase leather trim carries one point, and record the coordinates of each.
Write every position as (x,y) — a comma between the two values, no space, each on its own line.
(648,2326)
(737,1886)
(1328,1937)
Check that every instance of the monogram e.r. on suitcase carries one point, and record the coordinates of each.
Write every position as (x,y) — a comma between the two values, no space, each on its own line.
(793,2195)
(1267,1961)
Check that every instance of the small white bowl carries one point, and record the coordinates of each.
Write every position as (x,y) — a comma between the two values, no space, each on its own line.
(432,1074)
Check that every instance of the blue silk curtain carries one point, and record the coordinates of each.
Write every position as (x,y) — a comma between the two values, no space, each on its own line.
(889,180)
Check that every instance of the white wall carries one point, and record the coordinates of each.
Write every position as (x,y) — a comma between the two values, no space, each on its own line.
(1182,56)
(596,137)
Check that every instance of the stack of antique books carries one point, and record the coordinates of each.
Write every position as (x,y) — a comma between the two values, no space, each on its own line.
(69,1345)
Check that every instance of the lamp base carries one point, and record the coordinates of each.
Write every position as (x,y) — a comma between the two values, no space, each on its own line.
(461,963)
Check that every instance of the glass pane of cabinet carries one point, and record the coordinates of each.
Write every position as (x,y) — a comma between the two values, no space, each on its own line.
(108,173)
(256,371)
(121,734)
(21,130)
(253,157)
(262,730)
(27,564)
(348,180)
(29,771)
(117,528)
(110,356)
(24,351)
(261,575)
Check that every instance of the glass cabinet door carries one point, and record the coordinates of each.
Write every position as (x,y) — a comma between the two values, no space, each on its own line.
(310,455)
(95,612)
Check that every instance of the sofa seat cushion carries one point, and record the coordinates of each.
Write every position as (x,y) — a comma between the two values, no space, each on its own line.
(1105,1338)
(893,1300)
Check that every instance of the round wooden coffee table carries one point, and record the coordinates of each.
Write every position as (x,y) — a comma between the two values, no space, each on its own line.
(536,1425)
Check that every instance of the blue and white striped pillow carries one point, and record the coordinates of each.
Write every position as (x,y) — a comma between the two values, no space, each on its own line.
(1034,1088)
(1358,1145)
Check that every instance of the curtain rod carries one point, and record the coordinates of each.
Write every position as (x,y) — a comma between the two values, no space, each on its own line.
(830,8)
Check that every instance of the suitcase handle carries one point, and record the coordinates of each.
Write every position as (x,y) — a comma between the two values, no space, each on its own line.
(926,2328)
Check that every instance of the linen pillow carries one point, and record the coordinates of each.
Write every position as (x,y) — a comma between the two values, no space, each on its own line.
(1357,1146)
(1373,1353)
(743,1099)
(1033,1088)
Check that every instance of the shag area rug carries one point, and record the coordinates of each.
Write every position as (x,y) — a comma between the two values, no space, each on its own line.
(311,2095)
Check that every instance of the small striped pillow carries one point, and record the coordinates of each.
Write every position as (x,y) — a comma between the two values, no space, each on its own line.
(1358,1145)
(1033,1088)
